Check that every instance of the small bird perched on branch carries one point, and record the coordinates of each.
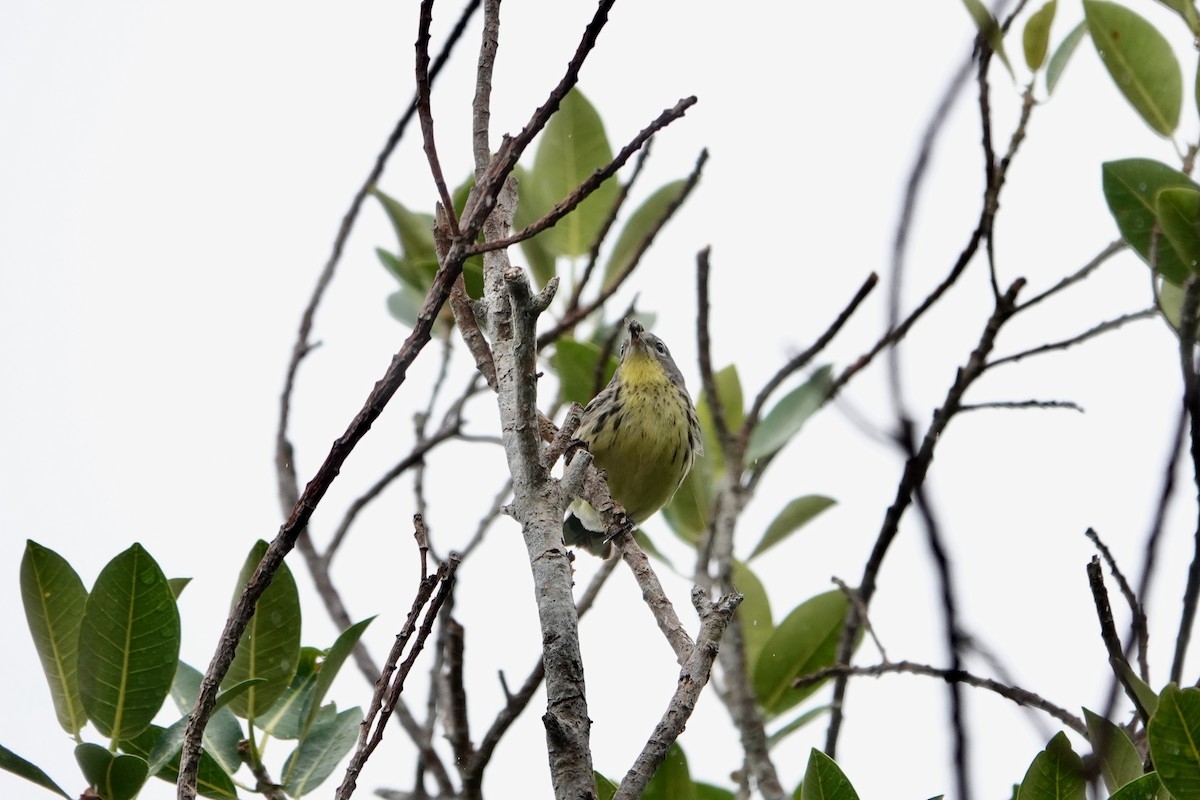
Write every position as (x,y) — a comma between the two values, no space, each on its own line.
(642,431)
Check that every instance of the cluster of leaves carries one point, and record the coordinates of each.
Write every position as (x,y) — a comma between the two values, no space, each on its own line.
(572,147)
(1156,207)
(111,658)
(1173,734)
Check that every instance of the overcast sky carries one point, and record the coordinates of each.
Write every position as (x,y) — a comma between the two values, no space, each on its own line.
(173,177)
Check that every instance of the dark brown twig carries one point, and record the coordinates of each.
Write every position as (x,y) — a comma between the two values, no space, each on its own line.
(1141,633)
(425,113)
(1110,250)
(572,318)
(1090,333)
(1021,404)
(716,407)
(1017,695)
(1191,402)
(391,680)
(1108,632)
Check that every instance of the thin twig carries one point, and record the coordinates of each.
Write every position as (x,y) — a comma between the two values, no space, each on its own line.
(716,407)
(861,610)
(1191,402)
(1017,695)
(572,318)
(425,113)
(1090,333)
(715,618)
(1110,250)
(1108,632)
(1022,404)
(1140,628)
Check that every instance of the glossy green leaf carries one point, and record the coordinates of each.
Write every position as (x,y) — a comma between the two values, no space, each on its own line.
(178,585)
(991,31)
(404,305)
(572,147)
(754,612)
(1145,694)
(1187,10)
(575,363)
(672,780)
(1170,303)
(1119,759)
(804,642)
(270,646)
(706,791)
(1147,787)
(605,789)
(54,600)
(284,719)
(1036,38)
(824,780)
(1140,60)
(223,732)
(642,223)
(1174,733)
(796,724)
(1131,188)
(414,230)
(319,752)
(328,667)
(11,762)
(789,415)
(1178,211)
(211,779)
(115,777)
(1055,774)
(794,516)
(128,645)
(1062,55)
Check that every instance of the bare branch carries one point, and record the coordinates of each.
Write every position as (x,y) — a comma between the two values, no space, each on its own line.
(1191,401)
(716,407)
(1140,629)
(1108,632)
(1090,333)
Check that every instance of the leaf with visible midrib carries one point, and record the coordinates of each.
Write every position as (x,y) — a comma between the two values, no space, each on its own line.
(270,646)
(11,762)
(1174,733)
(319,752)
(804,642)
(54,600)
(128,645)
(824,780)
(1056,773)
(1140,61)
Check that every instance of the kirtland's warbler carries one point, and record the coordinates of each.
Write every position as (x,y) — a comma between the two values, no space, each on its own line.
(642,431)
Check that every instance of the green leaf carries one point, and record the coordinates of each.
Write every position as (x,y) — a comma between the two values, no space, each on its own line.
(328,667)
(754,612)
(1148,696)
(672,780)
(688,511)
(1140,61)
(1174,733)
(115,777)
(404,305)
(1170,303)
(1062,55)
(794,516)
(991,31)
(128,645)
(789,415)
(1147,787)
(824,780)
(572,147)
(804,642)
(270,646)
(575,363)
(542,261)
(1036,38)
(1131,188)
(1187,10)
(223,732)
(415,231)
(648,216)
(283,720)
(1119,759)
(799,722)
(1179,219)
(211,779)
(178,585)
(605,789)
(54,600)
(1055,774)
(11,762)
(706,791)
(319,752)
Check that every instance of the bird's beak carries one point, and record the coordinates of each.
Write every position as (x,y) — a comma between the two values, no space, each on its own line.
(635,330)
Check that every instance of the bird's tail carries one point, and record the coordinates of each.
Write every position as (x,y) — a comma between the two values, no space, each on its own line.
(576,535)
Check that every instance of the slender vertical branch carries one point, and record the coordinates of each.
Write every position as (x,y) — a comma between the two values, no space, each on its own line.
(1191,402)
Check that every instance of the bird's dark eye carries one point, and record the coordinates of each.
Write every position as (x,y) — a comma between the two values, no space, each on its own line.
(661,348)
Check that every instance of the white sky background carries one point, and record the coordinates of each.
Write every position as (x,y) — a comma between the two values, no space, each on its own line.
(173,178)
